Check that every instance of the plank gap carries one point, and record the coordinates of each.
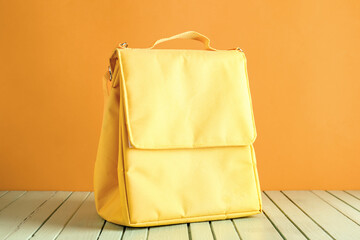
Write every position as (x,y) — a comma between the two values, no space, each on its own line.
(72,215)
(236,230)
(132,233)
(2,193)
(111,231)
(147,233)
(272,223)
(201,231)
(212,230)
(286,216)
(336,224)
(337,208)
(21,193)
(307,215)
(31,214)
(12,217)
(102,228)
(327,212)
(351,192)
(42,224)
(188,229)
(347,203)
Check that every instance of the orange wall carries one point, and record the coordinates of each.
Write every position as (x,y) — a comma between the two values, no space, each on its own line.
(304,70)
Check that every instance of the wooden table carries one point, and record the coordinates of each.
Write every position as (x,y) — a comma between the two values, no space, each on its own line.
(287,215)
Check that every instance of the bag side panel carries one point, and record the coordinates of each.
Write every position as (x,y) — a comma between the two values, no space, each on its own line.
(109,188)
(256,175)
(187,185)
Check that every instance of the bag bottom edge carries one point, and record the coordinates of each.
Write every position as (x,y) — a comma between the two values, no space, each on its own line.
(186,220)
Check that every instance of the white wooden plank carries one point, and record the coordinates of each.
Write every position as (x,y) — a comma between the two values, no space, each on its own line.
(23,214)
(339,205)
(355,193)
(349,199)
(201,231)
(53,226)
(135,233)
(2,193)
(173,232)
(224,230)
(111,232)
(9,198)
(33,222)
(256,227)
(13,215)
(85,224)
(306,224)
(335,223)
(282,223)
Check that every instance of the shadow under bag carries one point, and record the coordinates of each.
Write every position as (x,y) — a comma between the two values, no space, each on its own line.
(177,135)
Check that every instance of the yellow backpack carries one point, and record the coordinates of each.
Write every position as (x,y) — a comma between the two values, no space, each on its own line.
(177,135)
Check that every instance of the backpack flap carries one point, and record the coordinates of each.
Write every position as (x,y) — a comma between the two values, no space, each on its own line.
(186,98)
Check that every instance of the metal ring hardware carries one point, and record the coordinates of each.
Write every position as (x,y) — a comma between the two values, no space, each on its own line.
(123,45)
(110,73)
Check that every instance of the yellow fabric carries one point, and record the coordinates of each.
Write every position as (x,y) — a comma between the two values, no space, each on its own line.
(187,35)
(176,141)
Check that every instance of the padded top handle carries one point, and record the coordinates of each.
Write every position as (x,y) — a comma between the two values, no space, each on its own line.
(187,35)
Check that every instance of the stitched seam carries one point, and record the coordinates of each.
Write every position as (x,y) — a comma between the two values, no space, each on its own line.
(256,176)
(250,101)
(126,104)
(124,171)
(200,216)
(169,147)
(121,114)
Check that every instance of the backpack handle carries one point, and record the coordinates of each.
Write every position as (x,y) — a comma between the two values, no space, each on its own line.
(187,35)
